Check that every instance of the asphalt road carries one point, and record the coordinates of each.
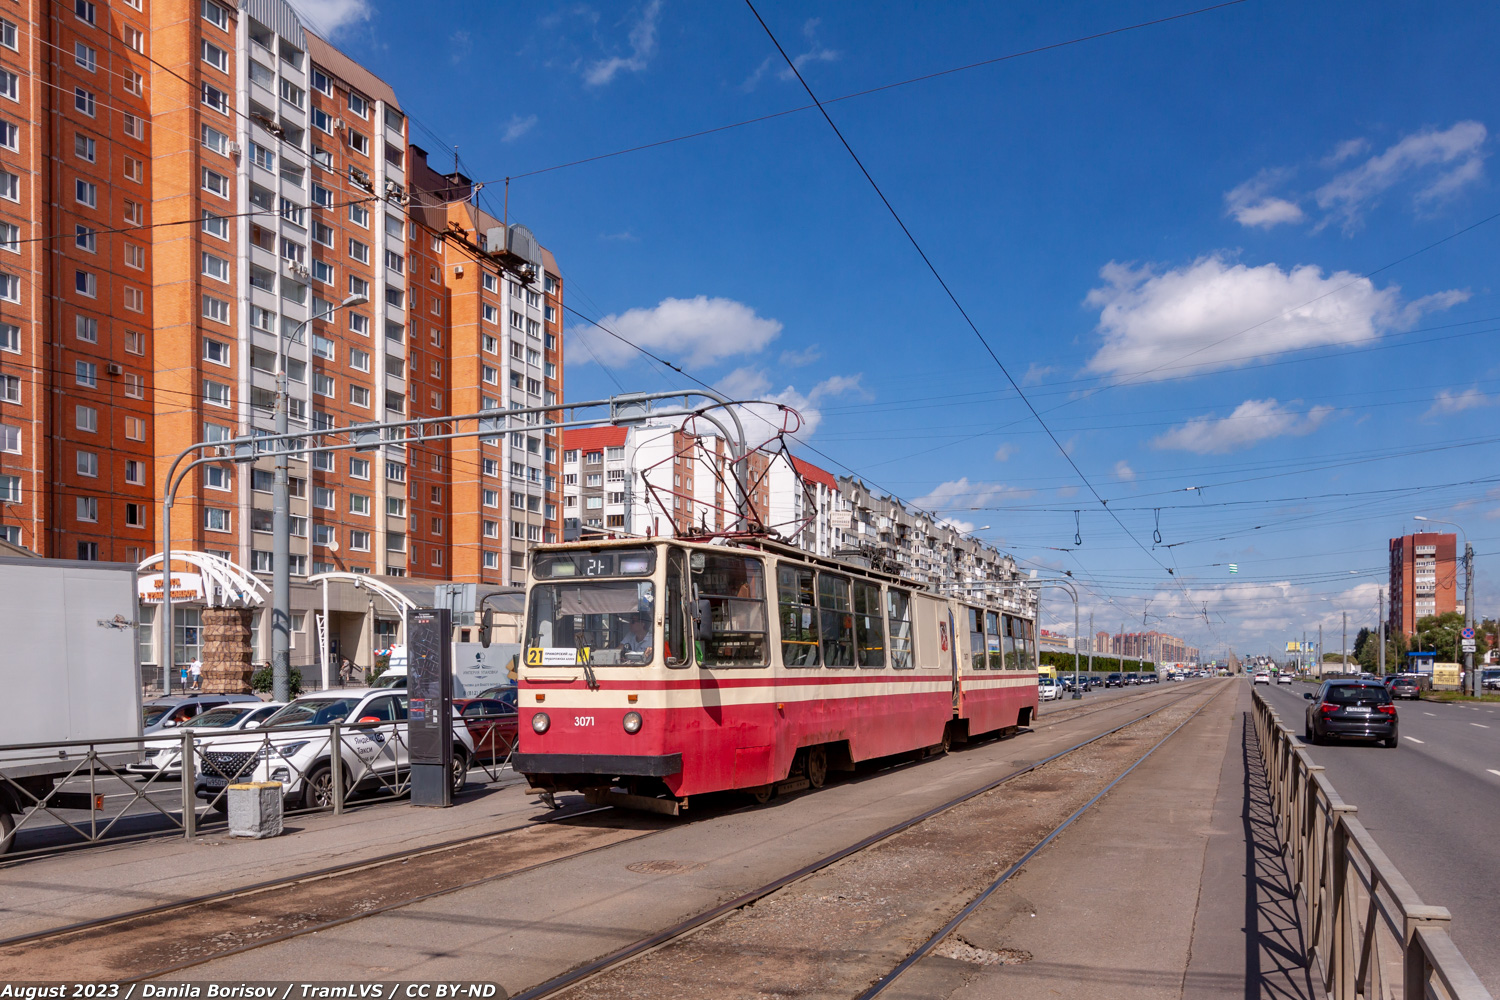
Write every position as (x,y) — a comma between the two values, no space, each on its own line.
(1433,805)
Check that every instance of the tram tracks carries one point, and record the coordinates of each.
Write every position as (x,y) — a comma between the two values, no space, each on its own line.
(592,978)
(181,934)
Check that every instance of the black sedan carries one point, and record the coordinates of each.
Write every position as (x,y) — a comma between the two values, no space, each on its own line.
(1351,709)
(1114,681)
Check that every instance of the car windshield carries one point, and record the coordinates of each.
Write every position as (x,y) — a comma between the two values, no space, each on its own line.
(612,619)
(220,718)
(313,712)
(152,714)
(1357,694)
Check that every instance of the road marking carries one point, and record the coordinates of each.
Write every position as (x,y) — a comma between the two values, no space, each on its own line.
(1415,740)
(1479,724)
(1493,771)
(1433,714)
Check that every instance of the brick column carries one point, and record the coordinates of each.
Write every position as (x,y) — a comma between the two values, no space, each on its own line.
(226,650)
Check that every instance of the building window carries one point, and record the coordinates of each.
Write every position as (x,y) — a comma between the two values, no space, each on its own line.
(10,83)
(359,396)
(88,464)
(86,508)
(323,498)
(215,183)
(135,256)
(86,373)
(132,212)
(215,267)
(215,309)
(85,418)
(10,440)
(215,393)
(86,328)
(83,101)
(135,429)
(359,504)
(135,386)
(215,98)
(10,338)
(321,82)
(84,10)
(135,300)
(359,541)
(360,216)
(10,388)
(359,105)
(86,193)
(10,186)
(88,551)
(135,472)
(134,127)
(359,251)
(215,519)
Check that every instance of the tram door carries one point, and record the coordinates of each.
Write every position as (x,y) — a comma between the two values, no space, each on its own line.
(953,653)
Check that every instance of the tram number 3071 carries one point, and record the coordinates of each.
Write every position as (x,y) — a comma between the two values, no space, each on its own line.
(583,720)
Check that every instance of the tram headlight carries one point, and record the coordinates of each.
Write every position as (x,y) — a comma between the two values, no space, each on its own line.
(540,723)
(632,722)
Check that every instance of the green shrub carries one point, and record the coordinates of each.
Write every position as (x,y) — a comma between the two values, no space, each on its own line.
(263,681)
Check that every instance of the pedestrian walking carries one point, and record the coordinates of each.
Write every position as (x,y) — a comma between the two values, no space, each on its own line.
(346,671)
(196,669)
(184,676)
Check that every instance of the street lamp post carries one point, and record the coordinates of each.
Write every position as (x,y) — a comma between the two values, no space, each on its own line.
(281,521)
(1469,670)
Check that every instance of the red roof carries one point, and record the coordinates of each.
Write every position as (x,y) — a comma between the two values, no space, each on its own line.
(594,438)
(813,474)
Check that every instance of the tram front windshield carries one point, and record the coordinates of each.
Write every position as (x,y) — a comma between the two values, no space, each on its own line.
(612,619)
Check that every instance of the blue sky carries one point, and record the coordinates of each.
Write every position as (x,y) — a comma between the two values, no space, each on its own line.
(1204,248)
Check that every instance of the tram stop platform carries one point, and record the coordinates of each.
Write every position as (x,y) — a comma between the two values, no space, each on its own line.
(1173,886)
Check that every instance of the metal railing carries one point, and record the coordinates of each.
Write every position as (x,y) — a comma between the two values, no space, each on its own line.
(1369,935)
(66,794)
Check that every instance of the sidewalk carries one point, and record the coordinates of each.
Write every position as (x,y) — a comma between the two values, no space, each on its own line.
(1171,887)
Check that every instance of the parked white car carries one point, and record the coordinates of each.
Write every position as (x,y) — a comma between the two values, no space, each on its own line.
(1048,689)
(163,757)
(372,748)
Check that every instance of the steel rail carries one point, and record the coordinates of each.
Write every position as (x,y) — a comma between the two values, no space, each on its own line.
(316,874)
(624,954)
(885,982)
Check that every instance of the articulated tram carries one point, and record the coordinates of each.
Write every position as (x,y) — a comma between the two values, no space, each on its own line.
(671,668)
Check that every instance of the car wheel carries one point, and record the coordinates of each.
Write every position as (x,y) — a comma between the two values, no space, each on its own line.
(459,773)
(317,788)
(7,828)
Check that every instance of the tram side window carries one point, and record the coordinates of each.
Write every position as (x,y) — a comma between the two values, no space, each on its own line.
(796,610)
(676,613)
(976,638)
(835,621)
(1008,641)
(898,604)
(869,625)
(735,588)
(1022,638)
(992,640)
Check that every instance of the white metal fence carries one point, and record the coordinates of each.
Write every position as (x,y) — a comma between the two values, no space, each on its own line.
(1369,935)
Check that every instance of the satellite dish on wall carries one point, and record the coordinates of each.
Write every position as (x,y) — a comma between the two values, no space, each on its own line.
(333,546)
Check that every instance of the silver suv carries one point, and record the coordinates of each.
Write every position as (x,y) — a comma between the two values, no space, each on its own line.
(286,748)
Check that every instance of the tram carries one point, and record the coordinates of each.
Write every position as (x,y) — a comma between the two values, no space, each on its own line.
(664,668)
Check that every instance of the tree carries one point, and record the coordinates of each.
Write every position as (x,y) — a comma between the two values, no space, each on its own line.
(1361,639)
(1440,633)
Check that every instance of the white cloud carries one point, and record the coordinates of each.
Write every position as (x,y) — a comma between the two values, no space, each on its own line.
(1064,492)
(517,127)
(1190,319)
(642,47)
(816,52)
(1124,472)
(329,17)
(1252,205)
(1004,452)
(1346,150)
(961,495)
(765,419)
(1036,372)
(1456,153)
(1253,421)
(1457,402)
(461,44)
(798,359)
(699,331)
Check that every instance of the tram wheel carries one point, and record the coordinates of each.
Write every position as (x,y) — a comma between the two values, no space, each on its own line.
(817,766)
(761,793)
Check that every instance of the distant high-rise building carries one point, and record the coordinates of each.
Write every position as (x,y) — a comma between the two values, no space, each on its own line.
(1424,578)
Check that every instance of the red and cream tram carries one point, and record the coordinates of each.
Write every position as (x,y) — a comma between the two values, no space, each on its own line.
(679,668)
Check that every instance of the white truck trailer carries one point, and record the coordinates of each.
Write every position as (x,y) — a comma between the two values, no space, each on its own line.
(69,671)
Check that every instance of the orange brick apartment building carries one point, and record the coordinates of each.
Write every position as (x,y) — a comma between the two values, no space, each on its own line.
(185,183)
